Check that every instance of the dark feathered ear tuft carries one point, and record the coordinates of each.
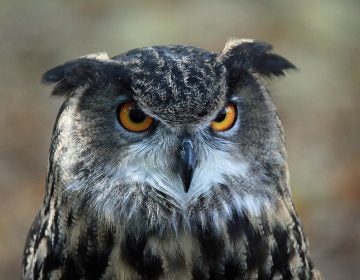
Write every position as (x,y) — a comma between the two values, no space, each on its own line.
(273,64)
(248,55)
(95,69)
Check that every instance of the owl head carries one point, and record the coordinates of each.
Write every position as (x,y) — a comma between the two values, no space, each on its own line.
(162,135)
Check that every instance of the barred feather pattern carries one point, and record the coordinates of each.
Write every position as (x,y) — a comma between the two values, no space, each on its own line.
(68,244)
(71,242)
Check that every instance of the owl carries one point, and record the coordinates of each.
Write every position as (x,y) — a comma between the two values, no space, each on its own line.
(168,162)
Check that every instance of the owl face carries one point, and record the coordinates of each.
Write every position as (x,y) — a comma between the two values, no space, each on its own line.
(171,128)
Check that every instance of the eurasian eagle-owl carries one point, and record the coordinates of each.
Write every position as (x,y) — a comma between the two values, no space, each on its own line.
(168,162)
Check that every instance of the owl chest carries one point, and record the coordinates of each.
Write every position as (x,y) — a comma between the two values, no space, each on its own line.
(206,254)
(115,254)
(201,257)
(154,257)
(88,249)
(188,257)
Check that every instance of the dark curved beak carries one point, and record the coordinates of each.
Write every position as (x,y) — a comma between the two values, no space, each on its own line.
(187,162)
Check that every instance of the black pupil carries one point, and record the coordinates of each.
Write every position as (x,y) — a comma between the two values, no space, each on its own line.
(221,116)
(136,115)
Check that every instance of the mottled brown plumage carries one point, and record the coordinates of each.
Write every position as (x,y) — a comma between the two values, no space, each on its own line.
(177,200)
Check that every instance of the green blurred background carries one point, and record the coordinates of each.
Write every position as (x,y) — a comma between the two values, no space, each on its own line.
(319,105)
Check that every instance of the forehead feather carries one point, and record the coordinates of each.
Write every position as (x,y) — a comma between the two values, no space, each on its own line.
(179,84)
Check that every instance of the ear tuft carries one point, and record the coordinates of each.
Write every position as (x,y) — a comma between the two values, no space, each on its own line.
(254,56)
(273,64)
(235,45)
(98,56)
(95,69)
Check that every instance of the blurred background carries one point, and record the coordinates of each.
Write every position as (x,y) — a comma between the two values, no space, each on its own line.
(319,105)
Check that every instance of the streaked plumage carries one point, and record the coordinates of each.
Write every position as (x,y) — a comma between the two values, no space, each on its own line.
(178,200)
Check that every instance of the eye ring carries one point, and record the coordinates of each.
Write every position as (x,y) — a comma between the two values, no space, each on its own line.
(225,119)
(132,118)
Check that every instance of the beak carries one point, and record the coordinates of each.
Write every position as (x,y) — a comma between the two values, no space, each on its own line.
(187,162)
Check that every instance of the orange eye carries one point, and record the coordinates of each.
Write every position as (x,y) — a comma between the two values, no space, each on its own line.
(132,118)
(225,119)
